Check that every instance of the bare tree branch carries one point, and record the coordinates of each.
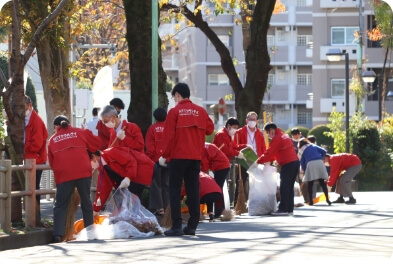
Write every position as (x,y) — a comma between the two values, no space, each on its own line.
(40,30)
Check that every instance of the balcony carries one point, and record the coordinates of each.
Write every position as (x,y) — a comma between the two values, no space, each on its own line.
(350,49)
(340,3)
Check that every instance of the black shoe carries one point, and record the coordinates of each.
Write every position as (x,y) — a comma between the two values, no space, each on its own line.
(351,201)
(174,232)
(329,202)
(339,200)
(211,217)
(56,239)
(189,231)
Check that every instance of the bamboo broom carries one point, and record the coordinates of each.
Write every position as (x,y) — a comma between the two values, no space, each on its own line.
(241,199)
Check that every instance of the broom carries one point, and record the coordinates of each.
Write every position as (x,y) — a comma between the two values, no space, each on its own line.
(167,219)
(241,199)
(70,218)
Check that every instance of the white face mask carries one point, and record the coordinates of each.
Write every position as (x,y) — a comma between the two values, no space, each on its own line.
(252,124)
(232,131)
(95,164)
(110,124)
(27,112)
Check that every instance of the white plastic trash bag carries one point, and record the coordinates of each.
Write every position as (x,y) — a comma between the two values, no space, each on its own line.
(126,218)
(263,187)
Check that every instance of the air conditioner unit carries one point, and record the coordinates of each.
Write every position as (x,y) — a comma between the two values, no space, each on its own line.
(287,67)
(287,28)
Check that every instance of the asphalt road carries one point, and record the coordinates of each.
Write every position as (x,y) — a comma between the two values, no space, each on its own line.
(361,233)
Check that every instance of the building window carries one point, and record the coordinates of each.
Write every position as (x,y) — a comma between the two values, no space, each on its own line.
(301,2)
(304,79)
(343,35)
(270,40)
(225,39)
(218,79)
(270,80)
(302,40)
(338,88)
(304,118)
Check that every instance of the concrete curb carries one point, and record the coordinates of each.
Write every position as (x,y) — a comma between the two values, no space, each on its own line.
(30,239)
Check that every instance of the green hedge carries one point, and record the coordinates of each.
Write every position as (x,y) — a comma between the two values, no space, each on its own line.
(322,139)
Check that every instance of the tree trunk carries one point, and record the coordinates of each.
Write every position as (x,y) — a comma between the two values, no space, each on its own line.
(257,61)
(53,61)
(138,16)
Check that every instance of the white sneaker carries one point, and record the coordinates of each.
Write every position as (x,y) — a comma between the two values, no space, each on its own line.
(279,213)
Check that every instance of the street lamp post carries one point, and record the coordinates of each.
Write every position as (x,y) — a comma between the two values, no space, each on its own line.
(369,77)
(335,55)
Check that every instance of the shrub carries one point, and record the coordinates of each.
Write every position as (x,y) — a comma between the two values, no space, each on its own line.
(209,138)
(322,138)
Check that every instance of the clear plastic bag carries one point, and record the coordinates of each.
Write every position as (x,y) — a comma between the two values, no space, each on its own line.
(263,187)
(126,218)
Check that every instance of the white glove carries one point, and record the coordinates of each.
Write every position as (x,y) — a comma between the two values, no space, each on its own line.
(95,213)
(124,183)
(121,134)
(162,161)
(241,156)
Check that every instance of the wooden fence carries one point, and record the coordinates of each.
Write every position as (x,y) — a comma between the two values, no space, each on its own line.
(29,194)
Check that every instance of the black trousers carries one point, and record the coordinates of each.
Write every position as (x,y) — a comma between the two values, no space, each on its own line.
(63,196)
(134,187)
(209,199)
(159,188)
(288,175)
(187,170)
(220,177)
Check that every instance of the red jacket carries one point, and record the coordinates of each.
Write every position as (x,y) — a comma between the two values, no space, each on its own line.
(127,163)
(68,157)
(185,129)
(213,159)
(339,163)
(35,141)
(224,142)
(242,134)
(153,142)
(207,185)
(104,134)
(133,140)
(280,149)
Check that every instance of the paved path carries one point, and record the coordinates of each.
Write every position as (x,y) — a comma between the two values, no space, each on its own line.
(315,234)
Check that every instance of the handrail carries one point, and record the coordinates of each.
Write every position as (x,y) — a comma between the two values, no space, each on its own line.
(30,192)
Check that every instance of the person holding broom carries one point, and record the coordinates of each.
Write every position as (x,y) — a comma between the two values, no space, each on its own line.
(185,129)
(281,149)
(123,134)
(215,160)
(69,160)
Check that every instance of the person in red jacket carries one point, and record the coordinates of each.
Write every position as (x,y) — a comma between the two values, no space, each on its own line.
(35,140)
(252,137)
(70,162)
(209,192)
(281,149)
(123,134)
(159,189)
(223,139)
(103,130)
(343,168)
(215,160)
(117,168)
(185,129)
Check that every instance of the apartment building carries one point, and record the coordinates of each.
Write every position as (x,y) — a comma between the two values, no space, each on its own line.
(303,86)
(196,62)
(334,23)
